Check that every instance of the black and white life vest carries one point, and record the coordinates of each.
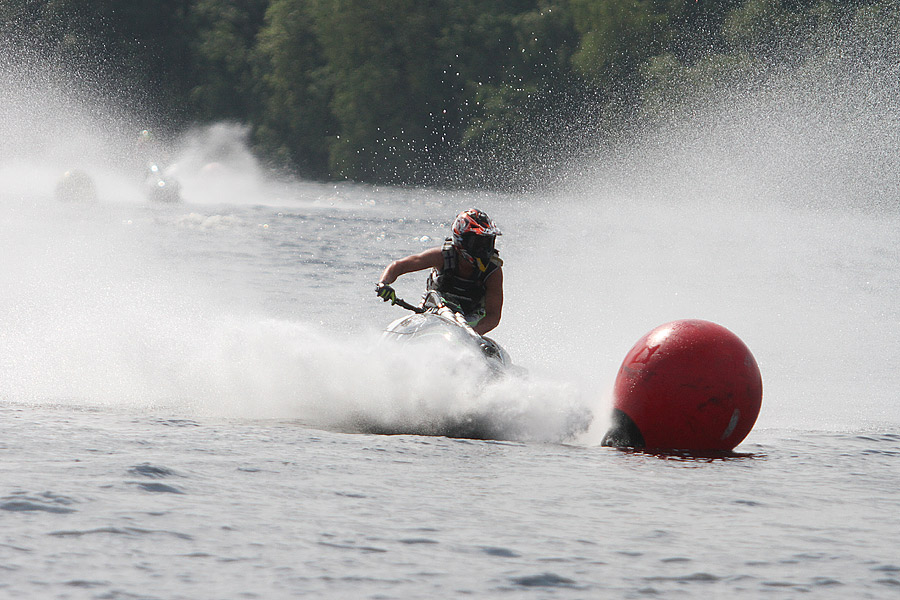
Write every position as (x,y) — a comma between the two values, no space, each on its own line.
(467,294)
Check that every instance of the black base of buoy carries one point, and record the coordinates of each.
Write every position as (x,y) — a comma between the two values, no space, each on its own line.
(623,433)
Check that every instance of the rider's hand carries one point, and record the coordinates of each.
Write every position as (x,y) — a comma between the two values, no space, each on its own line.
(386,292)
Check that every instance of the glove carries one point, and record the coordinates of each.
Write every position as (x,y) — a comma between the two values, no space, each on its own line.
(386,292)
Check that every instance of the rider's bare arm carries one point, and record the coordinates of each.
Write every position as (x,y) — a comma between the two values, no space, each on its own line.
(430,258)
(493,303)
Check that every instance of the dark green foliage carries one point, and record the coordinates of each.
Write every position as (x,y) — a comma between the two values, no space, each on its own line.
(385,86)
(222,44)
(418,91)
(128,46)
(293,121)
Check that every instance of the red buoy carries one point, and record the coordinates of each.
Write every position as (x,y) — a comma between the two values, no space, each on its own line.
(687,385)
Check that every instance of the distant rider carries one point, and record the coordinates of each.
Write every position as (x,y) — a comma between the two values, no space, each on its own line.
(466,271)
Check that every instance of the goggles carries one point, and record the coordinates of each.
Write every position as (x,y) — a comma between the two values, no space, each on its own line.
(475,245)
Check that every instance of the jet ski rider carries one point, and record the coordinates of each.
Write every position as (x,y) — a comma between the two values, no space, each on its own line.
(466,271)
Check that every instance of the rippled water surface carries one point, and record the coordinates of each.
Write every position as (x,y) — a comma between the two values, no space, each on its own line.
(184,388)
(116,504)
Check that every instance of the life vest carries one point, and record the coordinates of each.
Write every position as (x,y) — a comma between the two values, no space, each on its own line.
(467,294)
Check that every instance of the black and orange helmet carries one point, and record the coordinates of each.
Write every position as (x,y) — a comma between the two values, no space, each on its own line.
(474,234)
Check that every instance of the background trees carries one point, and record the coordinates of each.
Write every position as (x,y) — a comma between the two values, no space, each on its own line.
(414,91)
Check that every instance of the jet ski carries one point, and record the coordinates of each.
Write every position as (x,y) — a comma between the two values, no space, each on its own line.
(439,319)
(75,186)
(161,186)
(499,418)
(160,182)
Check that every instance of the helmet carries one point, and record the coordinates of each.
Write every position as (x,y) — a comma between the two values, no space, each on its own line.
(473,237)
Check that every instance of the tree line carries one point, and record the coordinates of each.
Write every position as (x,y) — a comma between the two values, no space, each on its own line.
(456,92)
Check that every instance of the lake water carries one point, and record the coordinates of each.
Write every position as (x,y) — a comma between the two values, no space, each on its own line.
(185,388)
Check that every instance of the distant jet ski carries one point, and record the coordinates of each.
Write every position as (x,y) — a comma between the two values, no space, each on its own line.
(437,319)
(75,186)
(162,188)
(159,172)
